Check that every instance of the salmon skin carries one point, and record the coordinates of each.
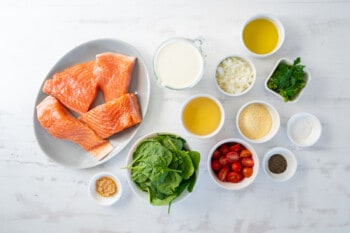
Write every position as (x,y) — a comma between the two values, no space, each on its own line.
(57,120)
(114,116)
(75,87)
(113,71)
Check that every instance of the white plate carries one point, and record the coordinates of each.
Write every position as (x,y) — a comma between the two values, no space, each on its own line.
(72,155)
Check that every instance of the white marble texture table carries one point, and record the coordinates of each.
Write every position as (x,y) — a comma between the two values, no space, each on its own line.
(38,195)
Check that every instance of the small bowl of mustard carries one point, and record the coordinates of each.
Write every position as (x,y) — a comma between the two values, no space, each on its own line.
(105,188)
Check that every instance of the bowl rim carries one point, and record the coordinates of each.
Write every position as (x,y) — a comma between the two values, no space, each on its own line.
(316,123)
(242,184)
(307,78)
(189,41)
(251,65)
(144,195)
(281,32)
(276,121)
(291,168)
(105,201)
(219,104)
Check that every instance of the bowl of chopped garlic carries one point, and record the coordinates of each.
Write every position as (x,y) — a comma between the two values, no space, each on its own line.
(257,121)
(105,188)
(235,75)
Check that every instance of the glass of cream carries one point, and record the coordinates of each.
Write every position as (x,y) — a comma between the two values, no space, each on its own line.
(178,63)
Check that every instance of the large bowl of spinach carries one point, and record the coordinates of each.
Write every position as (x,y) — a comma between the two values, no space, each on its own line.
(162,168)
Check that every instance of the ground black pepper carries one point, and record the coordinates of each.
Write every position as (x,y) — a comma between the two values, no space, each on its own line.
(277,163)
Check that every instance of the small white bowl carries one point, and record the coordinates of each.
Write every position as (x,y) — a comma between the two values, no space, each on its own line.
(233,64)
(280,30)
(144,195)
(291,164)
(246,181)
(198,111)
(307,78)
(106,201)
(275,118)
(304,129)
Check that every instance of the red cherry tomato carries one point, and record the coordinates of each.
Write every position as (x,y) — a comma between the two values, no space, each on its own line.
(232,156)
(223,173)
(247,162)
(216,165)
(245,153)
(223,160)
(236,147)
(236,166)
(224,148)
(247,172)
(216,154)
(233,177)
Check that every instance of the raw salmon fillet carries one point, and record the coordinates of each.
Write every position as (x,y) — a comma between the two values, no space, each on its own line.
(114,72)
(114,116)
(75,87)
(57,120)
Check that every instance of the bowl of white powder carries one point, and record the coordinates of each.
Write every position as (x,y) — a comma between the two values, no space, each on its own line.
(304,129)
(235,75)
(257,121)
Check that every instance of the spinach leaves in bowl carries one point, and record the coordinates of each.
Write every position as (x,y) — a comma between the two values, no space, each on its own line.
(164,167)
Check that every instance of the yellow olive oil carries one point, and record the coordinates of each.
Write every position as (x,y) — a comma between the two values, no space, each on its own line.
(260,36)
(201,116)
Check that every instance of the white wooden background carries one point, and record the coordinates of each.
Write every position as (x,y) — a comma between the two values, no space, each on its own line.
(38,195)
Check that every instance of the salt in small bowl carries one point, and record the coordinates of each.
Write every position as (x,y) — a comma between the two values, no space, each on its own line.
(304,129)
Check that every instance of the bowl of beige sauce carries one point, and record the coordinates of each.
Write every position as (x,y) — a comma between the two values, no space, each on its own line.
(257,121)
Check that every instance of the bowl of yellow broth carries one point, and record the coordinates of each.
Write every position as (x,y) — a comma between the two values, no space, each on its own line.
(202,115)
(262,35)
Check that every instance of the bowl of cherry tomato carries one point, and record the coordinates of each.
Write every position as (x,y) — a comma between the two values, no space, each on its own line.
(233,164)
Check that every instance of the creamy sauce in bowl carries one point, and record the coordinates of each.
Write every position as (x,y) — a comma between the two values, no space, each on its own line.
(178,64)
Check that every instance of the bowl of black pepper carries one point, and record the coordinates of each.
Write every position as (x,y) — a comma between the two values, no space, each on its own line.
(280,164)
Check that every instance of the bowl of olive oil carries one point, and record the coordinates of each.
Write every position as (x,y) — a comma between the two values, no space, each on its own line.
(262,35)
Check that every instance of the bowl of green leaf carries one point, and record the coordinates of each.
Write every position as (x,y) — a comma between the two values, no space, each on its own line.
(162,169)
(288,79)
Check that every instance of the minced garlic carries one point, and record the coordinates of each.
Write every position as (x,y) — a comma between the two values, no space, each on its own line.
(234,75)
(106,186)
(255,121)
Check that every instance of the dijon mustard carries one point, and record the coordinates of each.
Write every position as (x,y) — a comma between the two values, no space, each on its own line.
(106,186)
